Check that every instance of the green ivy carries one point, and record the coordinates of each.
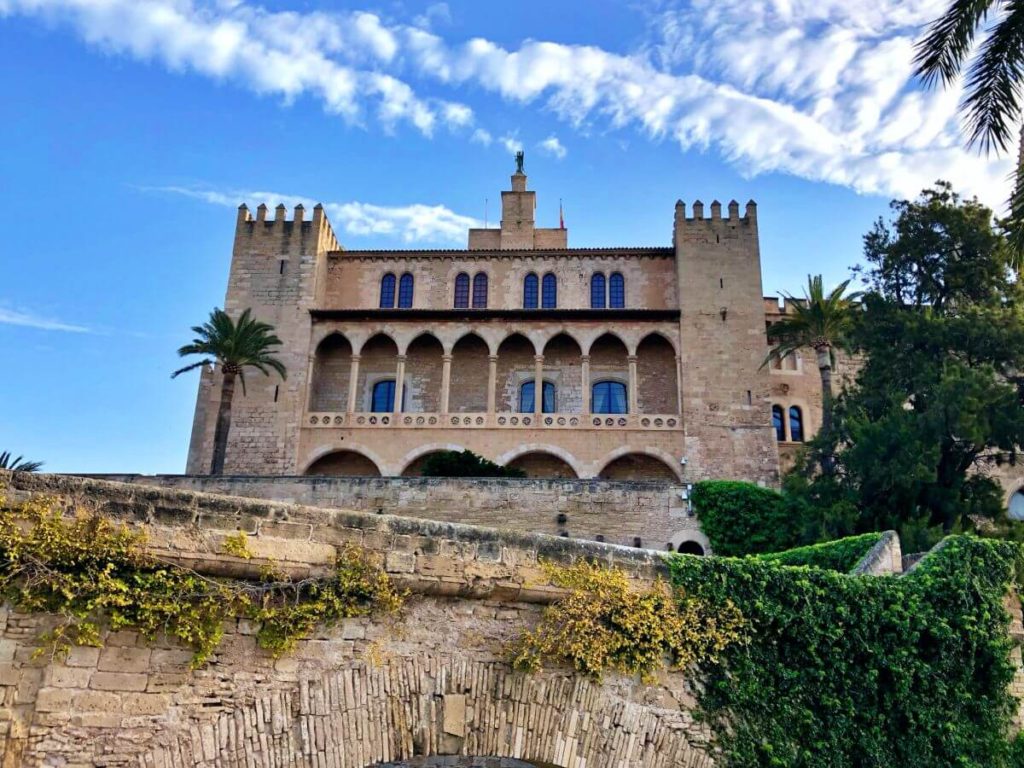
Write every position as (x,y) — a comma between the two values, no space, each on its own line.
(853,671)
(840,555)
(745,519)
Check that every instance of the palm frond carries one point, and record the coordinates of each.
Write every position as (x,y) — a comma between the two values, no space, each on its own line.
(19,464)
(816,318)
(247,342)
(940,54)
(992,92)
(1015,220)
(192,367)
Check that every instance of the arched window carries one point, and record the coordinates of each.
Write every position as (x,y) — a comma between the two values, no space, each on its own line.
(462,291)
(387,291)
(597,291)
(778,422)
(1016,509)
(608,397)
(383,396)
(616,291)
(549,297)
(530,291)
(796,425)
(405,291)
(526,403)
(479,291)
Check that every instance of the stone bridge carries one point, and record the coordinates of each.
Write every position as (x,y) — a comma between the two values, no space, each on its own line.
(430,687)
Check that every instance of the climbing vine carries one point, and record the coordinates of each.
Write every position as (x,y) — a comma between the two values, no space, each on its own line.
(90,571)
(843,671)
(840,555)
(603,624)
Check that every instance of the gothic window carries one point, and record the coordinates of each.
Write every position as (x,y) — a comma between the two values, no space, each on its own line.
(526,403)
(387,291)
(530,291)
(1016,510)
(609,397)
(778,423)
(383,400)
(405,286)
(597,291)
(462,291)
(616,291)
(479,291)
(549,297)
(796,425)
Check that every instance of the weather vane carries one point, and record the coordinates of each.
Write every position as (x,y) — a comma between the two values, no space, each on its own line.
(519,161)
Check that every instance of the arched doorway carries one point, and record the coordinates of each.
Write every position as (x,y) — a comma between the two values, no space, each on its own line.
(690,548)
(541,464)
(344,464)
(638,466)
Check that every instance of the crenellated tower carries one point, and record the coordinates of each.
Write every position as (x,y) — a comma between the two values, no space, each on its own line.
(723,343)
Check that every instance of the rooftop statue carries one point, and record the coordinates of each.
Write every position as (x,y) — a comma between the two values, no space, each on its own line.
(519,161)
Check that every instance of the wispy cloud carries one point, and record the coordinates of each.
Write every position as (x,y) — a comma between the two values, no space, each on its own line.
(414,223)
(552,146)
(32,320)
(820,89)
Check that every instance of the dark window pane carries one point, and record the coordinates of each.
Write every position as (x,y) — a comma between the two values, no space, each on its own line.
(405,291)
(480,291)
(462,291)
(617,291)
(597,291)
(530,291)
(549,300)
(548,404)
(383,396)
(609,397)
(387,291)
(526,397)
(777,423)
(796,425)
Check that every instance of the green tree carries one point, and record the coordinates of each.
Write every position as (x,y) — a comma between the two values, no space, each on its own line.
(940,393)
(821,322)
(994,70)
(234,347)
(465,464)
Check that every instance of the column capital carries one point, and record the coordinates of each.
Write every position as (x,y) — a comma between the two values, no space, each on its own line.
(631,358)
(400,358)
(446,358)
(492,358)
(356,358)
(538,358)
(584,358)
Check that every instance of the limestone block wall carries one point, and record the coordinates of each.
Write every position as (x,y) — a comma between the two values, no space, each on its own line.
(618,511)
(432,681)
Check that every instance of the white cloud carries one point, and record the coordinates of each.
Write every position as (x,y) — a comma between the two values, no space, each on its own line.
(552,146)
(820,89)
(33,320)
(415,223)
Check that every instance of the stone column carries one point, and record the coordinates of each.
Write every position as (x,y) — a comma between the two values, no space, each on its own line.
(585,407)
(446,381)
(353,384)
(538,384)
(679,385)
(633,399)
(399,383)
(492,379)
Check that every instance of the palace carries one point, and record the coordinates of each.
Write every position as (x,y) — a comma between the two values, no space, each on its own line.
(623,363)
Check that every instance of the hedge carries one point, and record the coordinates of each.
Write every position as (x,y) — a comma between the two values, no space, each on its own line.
(840,555)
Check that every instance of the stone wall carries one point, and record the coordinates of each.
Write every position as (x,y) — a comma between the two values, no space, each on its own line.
(432,681)
(619,511)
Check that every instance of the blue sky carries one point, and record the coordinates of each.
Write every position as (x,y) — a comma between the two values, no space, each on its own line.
(131,129)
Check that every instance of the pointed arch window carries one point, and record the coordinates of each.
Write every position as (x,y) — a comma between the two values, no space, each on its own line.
(796,425)
(549,291)
(387,291)
(479,291)
(462,291)
(530,291)
(597,291)
(405,291)
(526,395)
(617,291)
(608,397)
(779,423)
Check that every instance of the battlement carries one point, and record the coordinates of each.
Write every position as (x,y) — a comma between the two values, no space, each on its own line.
(749,214)
(281,226)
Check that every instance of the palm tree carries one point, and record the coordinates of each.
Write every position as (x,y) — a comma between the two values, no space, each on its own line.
(821,322)
(992,99)
(234,347)
(19,464)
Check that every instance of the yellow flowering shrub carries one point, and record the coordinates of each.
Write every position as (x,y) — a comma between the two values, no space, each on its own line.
(602,623)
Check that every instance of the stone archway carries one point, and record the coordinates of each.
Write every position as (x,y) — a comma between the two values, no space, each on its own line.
(638,466)
(403,711)
(543,465)
(344,463)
